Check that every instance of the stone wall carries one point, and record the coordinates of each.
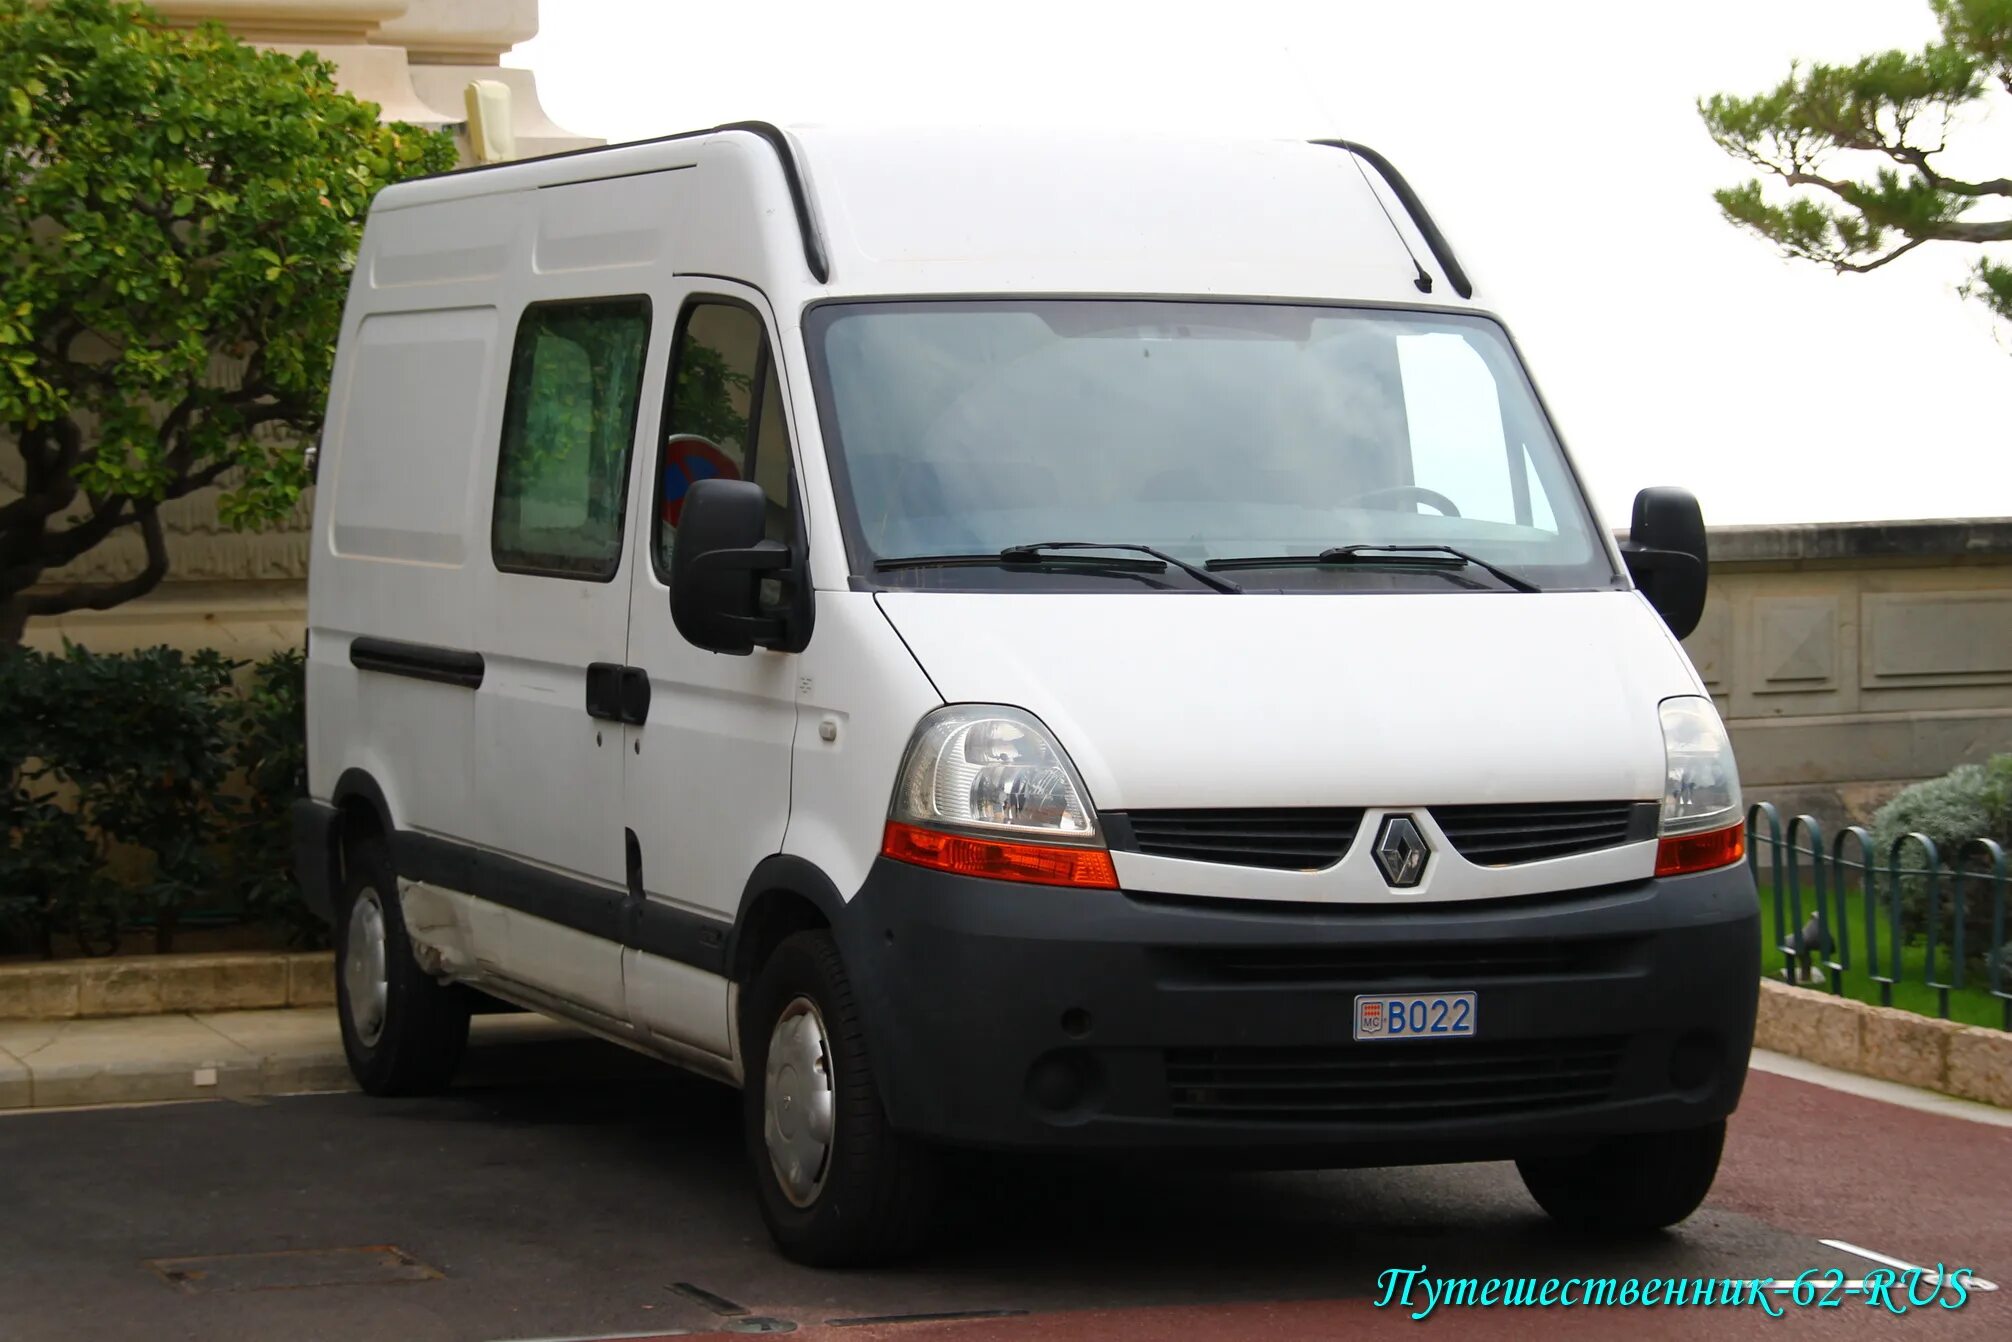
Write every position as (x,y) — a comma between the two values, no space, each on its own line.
(1851,659)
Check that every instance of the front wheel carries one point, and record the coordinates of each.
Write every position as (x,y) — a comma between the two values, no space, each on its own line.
(1628,1185)
(838,1187)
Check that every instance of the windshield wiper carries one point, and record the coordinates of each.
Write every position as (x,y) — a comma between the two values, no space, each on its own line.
(1417,556)
(1032,553)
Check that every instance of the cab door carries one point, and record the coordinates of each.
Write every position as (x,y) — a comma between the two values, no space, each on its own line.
(707,757)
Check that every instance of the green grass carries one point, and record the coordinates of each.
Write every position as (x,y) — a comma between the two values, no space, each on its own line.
(1973,1005)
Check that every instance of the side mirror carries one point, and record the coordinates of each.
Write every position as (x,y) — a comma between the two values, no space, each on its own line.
(1666,555)
(718,564)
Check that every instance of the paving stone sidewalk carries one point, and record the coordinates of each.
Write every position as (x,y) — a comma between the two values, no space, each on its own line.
(48,1064)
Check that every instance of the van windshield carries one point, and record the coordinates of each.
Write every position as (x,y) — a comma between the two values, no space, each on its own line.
(1223,435)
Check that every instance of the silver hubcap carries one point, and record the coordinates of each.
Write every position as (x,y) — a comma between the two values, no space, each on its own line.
(797,1102)
(363,976)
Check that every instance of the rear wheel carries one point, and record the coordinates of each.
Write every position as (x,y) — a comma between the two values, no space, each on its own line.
(1628,1185)
(402,1031)
(838,1187)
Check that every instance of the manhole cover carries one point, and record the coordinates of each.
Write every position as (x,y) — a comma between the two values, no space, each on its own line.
(290,1269)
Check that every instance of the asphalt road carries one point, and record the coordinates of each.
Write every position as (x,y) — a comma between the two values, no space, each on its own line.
(610,1198)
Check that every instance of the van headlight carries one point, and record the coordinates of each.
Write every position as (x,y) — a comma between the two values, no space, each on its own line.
(985,790)
(1701,784)
(1702,824)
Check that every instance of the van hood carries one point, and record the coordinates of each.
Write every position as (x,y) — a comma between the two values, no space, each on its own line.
(1379,699)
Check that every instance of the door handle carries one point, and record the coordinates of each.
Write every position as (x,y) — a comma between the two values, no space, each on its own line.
(617,693)
(635,695)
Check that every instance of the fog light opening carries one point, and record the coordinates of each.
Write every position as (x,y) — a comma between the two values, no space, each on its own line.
(1694,1062)
(1066,1086)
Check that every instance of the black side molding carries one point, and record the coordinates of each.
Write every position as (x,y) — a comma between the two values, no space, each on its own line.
(1442,251)
(420,661)
(814,255)
(612,915)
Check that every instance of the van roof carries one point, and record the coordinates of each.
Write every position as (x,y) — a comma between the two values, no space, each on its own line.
(934,211)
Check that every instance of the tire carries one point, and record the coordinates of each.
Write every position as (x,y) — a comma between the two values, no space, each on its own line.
(1628,1185)
(862,1196)
(403,1032)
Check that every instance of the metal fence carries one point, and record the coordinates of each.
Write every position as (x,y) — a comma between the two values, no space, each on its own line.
(1912,897)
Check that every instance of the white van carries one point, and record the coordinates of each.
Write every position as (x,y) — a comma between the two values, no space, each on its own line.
(1012,642)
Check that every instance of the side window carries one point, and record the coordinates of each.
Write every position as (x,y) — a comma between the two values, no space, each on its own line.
(771,468)
(568,420)
(1458,448)
(723,419)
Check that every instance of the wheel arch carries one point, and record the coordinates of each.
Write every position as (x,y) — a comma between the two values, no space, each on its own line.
(360,803)
(783,895)
(324,832)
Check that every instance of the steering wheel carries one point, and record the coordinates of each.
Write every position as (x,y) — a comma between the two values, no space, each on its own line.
(1432,498)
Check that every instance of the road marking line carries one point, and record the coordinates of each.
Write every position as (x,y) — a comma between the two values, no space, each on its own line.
(1978,1282)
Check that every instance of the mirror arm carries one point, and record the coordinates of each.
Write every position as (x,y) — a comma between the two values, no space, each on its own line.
(1648,559)
(767,631)
(767,557)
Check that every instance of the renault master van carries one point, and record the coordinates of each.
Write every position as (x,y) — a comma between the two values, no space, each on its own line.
(1012,642)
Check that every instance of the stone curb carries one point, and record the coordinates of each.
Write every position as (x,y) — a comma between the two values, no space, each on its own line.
(153,985)
(1967,1061)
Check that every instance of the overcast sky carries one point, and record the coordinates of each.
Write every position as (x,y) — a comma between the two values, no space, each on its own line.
(1556,143)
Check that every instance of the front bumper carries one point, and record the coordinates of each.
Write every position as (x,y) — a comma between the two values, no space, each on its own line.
(1018,1016)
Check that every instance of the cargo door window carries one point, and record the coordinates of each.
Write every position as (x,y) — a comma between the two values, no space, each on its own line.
(724,419)
(568,421)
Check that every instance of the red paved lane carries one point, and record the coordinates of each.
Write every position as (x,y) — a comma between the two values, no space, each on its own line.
(1835,1166)
(1802,1158)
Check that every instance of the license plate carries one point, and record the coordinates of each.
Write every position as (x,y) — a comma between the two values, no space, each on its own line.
(1415,1016)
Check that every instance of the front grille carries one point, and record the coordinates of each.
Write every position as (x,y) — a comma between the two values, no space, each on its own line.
(1388,1083)
(1285,838)
(1499,836)
(1463,964)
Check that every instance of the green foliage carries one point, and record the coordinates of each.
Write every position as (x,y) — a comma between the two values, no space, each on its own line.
(135,753)
(52,868)
(169,201)
(574,382)
(270,754)
(705,393)
(1848,153)
(148,759)
(1971,801)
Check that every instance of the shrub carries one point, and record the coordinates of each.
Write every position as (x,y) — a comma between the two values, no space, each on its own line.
(270,753)
(1971,801)
(152,764)
(52,868)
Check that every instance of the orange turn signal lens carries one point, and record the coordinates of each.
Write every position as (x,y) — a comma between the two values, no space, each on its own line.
(999,860)
(1683,853)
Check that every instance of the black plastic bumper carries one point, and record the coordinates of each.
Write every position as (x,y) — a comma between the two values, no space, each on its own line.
(1004,1015)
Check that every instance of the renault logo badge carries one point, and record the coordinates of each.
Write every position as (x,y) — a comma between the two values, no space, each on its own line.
(1401,851)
